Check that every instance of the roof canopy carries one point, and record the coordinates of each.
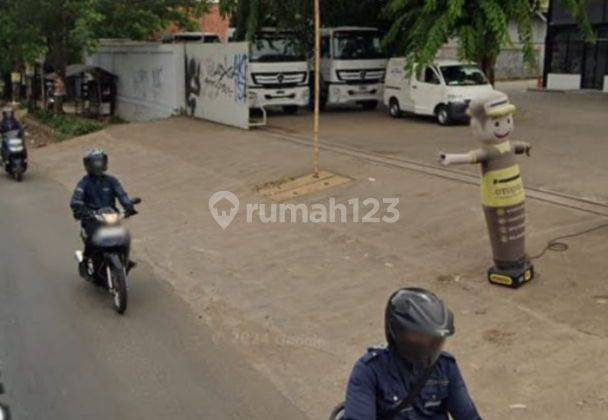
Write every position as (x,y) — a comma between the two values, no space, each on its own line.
(74,70)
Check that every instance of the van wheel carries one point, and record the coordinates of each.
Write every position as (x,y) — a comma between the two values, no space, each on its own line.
(394,109)
(443,115)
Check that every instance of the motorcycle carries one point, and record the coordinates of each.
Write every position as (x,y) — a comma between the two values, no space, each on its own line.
(109,264)
(14,154)
(337,413)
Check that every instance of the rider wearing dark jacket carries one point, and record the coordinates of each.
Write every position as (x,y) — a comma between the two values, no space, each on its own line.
(8,123)
(95,191)
(416,325)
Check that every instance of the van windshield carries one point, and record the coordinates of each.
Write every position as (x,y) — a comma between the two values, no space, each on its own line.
(358,45)
(463,75)
(280,48)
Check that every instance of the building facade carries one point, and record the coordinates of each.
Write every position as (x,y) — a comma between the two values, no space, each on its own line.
(570,62)
(214,22)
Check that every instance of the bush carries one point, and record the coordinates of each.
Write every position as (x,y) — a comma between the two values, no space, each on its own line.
(68,126)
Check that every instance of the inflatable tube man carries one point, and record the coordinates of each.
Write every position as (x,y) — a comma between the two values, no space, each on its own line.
(502,190)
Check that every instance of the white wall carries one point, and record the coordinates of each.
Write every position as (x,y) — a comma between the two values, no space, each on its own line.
(216,82)
(150,77)
(560,81)
(606,84)
(510,63)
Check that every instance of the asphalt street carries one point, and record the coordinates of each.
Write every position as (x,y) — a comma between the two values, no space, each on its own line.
(65,354)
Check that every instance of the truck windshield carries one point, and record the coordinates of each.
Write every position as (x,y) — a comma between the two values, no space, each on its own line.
(358,45)
(276,49)
(463,75)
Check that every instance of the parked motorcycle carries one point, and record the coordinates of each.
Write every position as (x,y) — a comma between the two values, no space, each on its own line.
(109,264)
(14,154)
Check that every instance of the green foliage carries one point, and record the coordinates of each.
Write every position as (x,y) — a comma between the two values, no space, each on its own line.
(19,43)
(248,16)
(64,29)
(68,126)
(421,27)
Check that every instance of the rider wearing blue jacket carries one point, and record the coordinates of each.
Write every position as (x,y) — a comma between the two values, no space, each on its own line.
(416,325)
(95,191)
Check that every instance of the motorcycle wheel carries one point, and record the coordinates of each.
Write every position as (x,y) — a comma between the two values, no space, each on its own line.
(18,175)
(337,413)
(119,280)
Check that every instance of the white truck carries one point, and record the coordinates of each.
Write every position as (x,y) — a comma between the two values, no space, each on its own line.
(442,89)
(353,65)
(186,37)
(278,71)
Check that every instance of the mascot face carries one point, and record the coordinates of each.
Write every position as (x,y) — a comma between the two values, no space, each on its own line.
(492,130)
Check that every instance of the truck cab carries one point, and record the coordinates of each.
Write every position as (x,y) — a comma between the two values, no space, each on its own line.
(278,71)
(353,65)
(191,37)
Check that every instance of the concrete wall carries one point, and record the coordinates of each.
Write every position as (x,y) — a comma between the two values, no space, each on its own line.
(151,79)
(216,82)
(563,81)
(606,84)
(510,63)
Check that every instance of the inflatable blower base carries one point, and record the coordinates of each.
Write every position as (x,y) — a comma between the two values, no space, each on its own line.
(513,278)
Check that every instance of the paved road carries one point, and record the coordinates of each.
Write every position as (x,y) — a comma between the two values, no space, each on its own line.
(64,353)
(567,132)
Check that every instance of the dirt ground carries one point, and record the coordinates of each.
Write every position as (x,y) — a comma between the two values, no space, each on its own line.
(303,301)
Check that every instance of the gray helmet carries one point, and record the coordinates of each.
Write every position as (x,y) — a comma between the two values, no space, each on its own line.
(95,162)
(416,324)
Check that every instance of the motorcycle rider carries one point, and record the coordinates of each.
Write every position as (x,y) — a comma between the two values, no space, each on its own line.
(417,324)
(95,191)
(8,123)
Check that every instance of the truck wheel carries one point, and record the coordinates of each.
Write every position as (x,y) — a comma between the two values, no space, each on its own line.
(443,115)
(369,105)
(290,109)
(394,109)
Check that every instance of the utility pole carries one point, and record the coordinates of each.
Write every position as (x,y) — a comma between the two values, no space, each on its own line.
(317,92)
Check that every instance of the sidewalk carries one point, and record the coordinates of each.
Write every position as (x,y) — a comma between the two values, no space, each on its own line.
(303,301)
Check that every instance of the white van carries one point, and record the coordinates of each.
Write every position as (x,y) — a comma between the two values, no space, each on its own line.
(353,65)
(278,71)
(443,89)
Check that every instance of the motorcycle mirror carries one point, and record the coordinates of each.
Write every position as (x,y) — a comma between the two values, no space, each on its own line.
(136,200)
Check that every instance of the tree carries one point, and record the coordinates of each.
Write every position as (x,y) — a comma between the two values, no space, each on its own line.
(19,44)
(421,27)
(248,16)
(66,29)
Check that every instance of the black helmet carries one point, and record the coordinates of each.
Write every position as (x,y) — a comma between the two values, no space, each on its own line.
(7,112)
(416,325)
(95,162)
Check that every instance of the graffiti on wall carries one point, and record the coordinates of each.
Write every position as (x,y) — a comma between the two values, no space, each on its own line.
(240,77)
(193,84)
(213,78)
(147,83)
(216,83)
